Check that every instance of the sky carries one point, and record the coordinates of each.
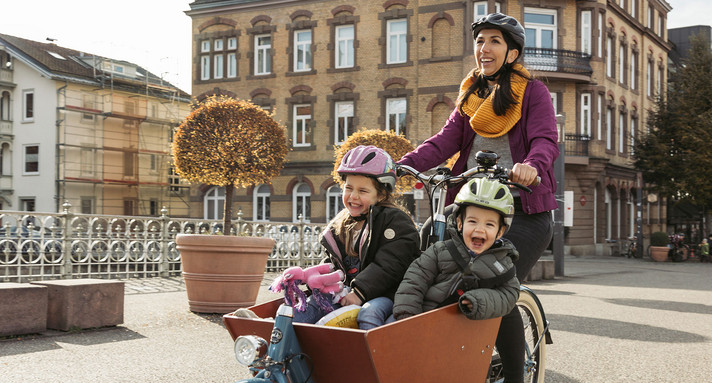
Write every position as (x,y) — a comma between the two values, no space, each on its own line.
(156,34)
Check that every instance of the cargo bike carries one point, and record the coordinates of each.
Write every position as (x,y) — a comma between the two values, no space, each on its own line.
(438,345)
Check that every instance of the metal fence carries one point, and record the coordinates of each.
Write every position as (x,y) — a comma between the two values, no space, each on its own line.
(41,246)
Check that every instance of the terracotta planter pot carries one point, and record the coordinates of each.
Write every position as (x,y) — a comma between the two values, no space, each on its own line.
(659,253)
(222,273)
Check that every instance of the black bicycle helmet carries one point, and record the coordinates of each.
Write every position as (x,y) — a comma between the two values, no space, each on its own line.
(505,24)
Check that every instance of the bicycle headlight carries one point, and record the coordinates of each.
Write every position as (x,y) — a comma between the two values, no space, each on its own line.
(249,348)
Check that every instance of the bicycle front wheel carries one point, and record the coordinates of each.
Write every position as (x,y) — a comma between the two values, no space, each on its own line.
(535,344)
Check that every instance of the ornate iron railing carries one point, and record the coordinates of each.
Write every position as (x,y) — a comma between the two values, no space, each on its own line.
(576,145)
(558,60)
(40,246)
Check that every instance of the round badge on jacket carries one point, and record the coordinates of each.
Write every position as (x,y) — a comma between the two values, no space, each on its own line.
(389,233)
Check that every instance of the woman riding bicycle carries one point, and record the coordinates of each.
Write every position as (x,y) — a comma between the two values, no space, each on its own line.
(501,108)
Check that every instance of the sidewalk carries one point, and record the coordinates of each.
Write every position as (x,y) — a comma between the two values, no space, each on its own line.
(161,340)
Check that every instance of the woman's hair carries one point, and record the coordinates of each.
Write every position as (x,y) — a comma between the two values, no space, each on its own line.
(502,98)
(344,224)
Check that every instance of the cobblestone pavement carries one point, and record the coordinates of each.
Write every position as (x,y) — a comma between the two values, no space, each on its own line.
(169,284)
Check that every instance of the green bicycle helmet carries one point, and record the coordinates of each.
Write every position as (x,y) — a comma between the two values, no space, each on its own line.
(488,194)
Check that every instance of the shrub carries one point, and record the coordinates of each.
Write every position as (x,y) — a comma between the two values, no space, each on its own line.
(229,143)
(659,238)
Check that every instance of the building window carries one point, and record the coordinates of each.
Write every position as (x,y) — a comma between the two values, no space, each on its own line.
(396,46)
(621,133)
(395,115)
(344,55)
(661,72)
(205,67)
(153,207)
(634,8)
(87,205)
(28,105)
(32,160)
(649,78)
(301,203)
(27,204)
(609,129)
(651,18)
(231,65)
(344,121)
(301,121)
(263,58)
(586,32)
(540,28)
(219,44)
(609,57)
(213,203)
(218,70)
(232,43)
(600,34)
(621,63)
(480,9)
(129,164)
(205,46)
(129,206)
(600,117)
(586,114)
(633,129)
(302,51)
(261,203)
(334,202)
(633,70)
(173,180)
(661,25)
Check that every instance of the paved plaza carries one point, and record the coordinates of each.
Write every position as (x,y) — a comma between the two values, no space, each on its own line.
(612,319)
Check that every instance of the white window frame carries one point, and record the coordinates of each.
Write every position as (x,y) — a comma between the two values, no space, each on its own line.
(600,117)
(301,194)
(218,66)
(601,27)
(396,107)
(609,56)
(263,58)
(231,65)
(621,132)
(28,114)
(633,69)
(344,52)
(477,6)
(659,82)
(302,50)
(232,43)
(586,29)
(205,67)
(621,63)
(300,126)
(29,158)
(609,129)
(261,203)
(633,128)
(586,114)
(343,120)
(205,46)
(538,28)
(649,79)
(333,197)
(218,44)
(634,8)
(396,42)
(651,18)
(216,197)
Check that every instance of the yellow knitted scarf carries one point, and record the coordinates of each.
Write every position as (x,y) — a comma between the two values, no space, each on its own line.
(483,120)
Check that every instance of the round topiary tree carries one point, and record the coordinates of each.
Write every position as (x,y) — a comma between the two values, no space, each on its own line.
(229,143)
(396,145)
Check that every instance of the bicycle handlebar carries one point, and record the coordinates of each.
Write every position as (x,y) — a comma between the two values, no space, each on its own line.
(443,175)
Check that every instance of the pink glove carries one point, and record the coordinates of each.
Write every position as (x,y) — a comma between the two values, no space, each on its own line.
(327,283)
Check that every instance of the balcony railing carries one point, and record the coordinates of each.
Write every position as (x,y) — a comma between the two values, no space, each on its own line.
(41,246)
(576,145)
(558,60)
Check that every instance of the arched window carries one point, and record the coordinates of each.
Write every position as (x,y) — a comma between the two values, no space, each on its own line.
(334,202)
(261,205)
(5,106)
(213,203)
(301,202)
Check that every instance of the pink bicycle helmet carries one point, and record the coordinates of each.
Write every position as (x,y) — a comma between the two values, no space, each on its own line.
(369,161)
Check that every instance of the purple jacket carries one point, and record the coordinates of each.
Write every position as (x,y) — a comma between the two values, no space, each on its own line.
(532,141)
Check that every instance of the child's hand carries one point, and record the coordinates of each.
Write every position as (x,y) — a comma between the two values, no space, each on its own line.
(350,299)
(467,303)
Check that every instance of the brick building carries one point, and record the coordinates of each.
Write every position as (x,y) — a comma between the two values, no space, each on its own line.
(327,68)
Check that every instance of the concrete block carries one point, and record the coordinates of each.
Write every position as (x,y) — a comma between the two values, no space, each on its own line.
(548,269)
(23,308)
(535,273)
(84,303)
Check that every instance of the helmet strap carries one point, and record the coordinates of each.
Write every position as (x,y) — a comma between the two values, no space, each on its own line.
(496,74)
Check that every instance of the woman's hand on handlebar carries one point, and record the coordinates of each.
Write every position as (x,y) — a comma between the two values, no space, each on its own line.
(523,174)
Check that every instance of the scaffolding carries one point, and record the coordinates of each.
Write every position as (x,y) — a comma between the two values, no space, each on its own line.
(113,143)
